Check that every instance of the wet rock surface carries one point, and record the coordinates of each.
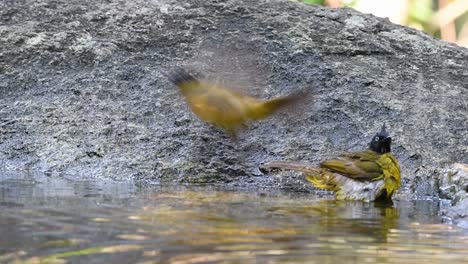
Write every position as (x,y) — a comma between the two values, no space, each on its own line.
(81,92)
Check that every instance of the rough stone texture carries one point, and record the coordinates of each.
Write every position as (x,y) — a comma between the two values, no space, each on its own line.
(81,93)
(453,185)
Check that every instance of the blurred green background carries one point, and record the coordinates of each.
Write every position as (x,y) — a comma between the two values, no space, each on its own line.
(445,19)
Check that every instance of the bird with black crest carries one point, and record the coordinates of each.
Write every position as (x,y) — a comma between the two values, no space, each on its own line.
(372,174)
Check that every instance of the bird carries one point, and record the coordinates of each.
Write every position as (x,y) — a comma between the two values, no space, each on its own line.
(369,175)
(223,107)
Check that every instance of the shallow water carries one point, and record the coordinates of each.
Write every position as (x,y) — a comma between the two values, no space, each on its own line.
(60,220)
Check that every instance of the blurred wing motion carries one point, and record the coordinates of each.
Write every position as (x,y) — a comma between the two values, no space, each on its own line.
(222,107)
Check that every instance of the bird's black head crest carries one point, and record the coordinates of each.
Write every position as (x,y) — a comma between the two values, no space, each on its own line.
(180,76)
(381,142)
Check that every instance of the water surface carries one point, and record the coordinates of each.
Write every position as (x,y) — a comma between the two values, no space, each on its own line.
(62,220)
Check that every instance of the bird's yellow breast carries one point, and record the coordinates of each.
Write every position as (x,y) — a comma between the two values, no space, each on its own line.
(391,172)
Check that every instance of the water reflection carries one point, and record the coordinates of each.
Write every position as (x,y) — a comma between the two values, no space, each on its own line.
(58,220)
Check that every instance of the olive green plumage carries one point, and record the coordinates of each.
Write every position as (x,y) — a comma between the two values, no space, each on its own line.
(223,107)
(366,175)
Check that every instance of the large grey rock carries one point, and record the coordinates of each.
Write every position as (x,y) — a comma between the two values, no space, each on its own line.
(453,185)
(81,92)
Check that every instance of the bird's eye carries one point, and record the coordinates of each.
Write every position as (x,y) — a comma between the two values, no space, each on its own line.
(377,139)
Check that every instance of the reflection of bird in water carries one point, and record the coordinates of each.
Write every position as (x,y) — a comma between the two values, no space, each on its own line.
(351,221)
(223,107)
(360,220)
(366,175)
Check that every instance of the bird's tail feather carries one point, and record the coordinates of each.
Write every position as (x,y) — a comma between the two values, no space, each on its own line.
(268,107)
(292,165)
(318,177)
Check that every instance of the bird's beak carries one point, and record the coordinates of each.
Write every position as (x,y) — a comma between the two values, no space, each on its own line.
(386,146)
(388,140)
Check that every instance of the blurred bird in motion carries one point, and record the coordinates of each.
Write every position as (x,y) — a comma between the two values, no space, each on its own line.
(223,107)
(369,175)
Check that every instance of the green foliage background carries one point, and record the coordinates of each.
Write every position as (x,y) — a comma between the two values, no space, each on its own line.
(420,16)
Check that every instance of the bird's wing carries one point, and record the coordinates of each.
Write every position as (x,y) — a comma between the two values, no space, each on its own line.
(357,165)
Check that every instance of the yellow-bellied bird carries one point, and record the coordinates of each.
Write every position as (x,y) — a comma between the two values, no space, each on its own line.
(369,175)
(223,107)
